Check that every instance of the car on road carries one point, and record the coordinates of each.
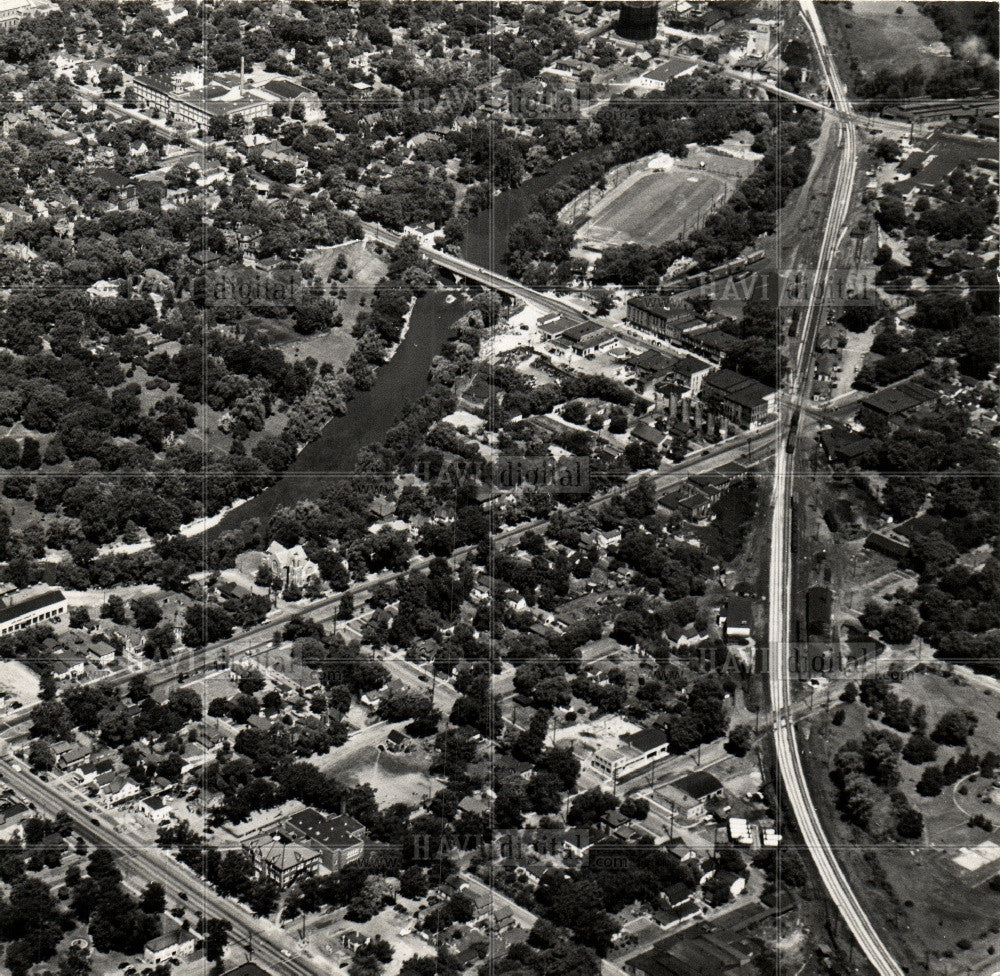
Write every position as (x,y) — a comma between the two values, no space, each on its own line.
(95,821)
(286,953)
(182,895)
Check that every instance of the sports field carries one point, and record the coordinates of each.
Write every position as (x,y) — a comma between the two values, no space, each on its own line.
(654,206)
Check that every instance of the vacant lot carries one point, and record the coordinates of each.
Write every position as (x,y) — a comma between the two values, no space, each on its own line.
(872,35)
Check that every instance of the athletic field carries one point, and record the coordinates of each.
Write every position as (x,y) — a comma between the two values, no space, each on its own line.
(651,207)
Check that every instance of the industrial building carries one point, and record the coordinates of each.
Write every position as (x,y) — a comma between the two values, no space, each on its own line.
(48,608)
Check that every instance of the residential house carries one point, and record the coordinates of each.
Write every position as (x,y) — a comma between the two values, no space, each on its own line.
(691,794)
(398,741)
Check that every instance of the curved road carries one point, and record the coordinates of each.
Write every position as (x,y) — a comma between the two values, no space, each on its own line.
(790,768)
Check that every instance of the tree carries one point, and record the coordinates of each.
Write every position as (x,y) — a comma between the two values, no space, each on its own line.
(345,609)
(146,612)
(635,808)
(919,750)
(740,740)
(47,685)
(40,755)
(114,609)
(154,900)
(76,962)
(216,933)
(931,782)
(955,727)
(588,808)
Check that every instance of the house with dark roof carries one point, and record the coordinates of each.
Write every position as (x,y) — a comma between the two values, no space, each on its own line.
(691,794)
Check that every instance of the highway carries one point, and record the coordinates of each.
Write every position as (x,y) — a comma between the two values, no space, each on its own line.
(781,573)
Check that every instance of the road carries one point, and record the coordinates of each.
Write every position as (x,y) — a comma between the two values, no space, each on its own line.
(146,863)
(781,575)
(258,639)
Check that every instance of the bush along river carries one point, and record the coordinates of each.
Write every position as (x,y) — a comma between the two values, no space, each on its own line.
(405,377)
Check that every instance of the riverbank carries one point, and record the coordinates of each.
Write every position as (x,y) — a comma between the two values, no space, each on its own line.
(371,414)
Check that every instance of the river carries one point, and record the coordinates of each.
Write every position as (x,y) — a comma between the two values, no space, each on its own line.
(404,378)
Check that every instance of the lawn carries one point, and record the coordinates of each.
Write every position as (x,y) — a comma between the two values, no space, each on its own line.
(872,35)
(920,900)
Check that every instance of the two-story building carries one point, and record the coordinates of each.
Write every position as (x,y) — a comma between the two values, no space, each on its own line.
(337,840)
(744,401)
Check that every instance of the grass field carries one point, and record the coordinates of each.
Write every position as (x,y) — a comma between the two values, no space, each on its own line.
(923,903)
(654,207)
(872,35)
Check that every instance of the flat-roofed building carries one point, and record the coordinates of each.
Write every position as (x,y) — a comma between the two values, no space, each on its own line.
(338,840)
(48,608)
(637,751)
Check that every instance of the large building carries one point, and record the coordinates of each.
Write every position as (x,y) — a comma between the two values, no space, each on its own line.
(653,314)
(894,404)
(12,12)
(222,98)
(740,399)
(281,862)
(48,608)
(637,752)
(637,20)
(337,840)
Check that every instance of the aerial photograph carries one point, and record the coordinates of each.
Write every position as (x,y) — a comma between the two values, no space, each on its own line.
(499,488)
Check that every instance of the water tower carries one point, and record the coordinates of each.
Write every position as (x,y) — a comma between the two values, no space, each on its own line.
(637,20)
